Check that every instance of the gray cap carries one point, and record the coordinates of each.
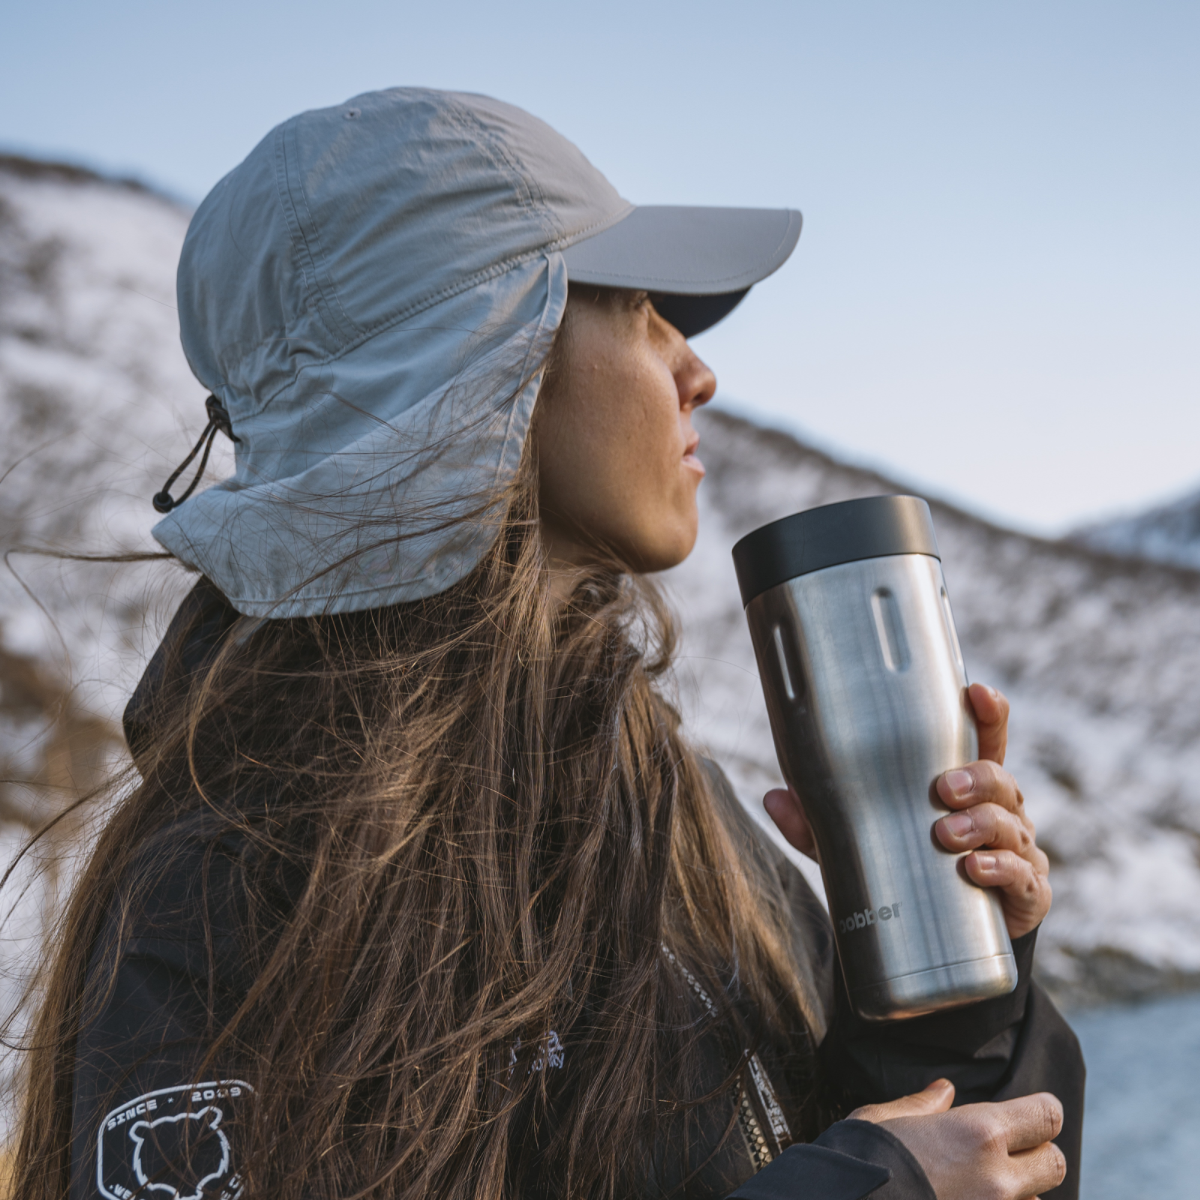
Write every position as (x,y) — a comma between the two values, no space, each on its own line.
(371,295)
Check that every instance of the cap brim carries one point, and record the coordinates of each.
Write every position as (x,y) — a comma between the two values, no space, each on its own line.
(701,260)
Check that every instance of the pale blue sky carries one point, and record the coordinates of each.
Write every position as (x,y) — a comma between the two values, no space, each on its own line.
(997,292)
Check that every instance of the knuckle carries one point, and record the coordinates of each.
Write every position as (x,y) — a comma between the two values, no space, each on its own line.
(1001,818)
(989,1134)
(1049,1115)
(983,821)
(1060,1165)
(995,1184)
(1014,870)
(996,777)
(1004,787)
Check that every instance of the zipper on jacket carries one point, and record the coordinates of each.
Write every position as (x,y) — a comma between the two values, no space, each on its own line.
(763,1126)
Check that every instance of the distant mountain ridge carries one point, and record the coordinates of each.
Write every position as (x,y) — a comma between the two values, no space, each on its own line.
(1098,652)
(1167,533)
(47,170)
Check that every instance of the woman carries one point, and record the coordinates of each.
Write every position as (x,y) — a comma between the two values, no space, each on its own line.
(421,891)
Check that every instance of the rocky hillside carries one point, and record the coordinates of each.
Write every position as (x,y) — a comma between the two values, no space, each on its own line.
(1097,652)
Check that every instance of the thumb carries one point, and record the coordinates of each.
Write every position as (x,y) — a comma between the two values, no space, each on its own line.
(784,808)
(936,1098)
(991,719)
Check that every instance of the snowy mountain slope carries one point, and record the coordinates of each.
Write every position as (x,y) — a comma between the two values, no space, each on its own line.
(98,406)
(1168,533)
(1098,655)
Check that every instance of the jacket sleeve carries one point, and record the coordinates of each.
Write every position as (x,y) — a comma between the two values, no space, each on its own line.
(849,1161)
(144,1113)
(997,1049)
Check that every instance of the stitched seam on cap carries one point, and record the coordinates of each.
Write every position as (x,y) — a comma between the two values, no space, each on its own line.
(537,198)
(296,235)
(312,245)
(720,283)
(493,146)
(321,263)
(581,235)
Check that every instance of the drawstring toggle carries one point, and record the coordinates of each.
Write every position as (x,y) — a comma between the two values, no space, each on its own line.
(218,420)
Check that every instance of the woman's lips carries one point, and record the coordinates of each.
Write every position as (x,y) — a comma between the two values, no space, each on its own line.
(690,460)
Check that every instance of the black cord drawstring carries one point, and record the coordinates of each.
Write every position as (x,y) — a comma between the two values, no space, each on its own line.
(218,421)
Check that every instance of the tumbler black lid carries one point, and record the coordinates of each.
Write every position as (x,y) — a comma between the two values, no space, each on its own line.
(829,535)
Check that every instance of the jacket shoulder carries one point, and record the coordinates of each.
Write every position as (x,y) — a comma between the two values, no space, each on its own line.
(811,931)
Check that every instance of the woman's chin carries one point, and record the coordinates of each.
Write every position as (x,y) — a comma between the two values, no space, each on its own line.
(668,552)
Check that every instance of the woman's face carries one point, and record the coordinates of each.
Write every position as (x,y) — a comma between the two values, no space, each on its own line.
(613,432)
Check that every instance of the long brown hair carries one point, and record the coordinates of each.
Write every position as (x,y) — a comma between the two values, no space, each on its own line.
(487,823)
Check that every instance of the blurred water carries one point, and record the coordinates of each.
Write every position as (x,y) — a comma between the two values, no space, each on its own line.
(1141,1130)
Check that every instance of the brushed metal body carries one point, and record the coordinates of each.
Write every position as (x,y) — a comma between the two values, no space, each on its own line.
(866,690)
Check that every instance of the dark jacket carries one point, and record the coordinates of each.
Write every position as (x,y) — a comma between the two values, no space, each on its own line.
(138,1107)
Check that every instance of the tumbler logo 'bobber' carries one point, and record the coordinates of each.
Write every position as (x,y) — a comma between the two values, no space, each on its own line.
(868,916)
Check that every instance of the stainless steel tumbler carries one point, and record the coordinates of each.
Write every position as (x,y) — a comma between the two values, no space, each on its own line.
(866,690)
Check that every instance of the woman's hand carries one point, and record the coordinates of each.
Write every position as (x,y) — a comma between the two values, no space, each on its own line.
(989,820)
(980,1151)
(784,808)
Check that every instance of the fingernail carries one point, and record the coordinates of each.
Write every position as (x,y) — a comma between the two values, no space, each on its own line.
(985,862)
(960,783)
(959,824)
(938,1085)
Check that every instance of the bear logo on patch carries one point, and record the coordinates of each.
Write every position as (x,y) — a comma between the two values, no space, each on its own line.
(176,1143)
(180,1156)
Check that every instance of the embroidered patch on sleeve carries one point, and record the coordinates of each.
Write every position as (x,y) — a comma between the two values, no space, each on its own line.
(172,1144)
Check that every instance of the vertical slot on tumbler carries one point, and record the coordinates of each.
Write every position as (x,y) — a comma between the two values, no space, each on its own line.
(890,630)
(951,633)
(788,689)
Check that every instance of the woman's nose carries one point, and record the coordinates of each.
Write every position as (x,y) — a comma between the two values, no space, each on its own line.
(696,383)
